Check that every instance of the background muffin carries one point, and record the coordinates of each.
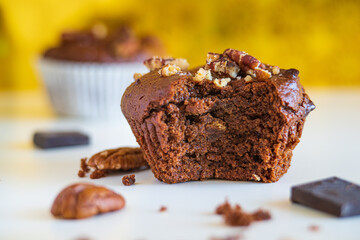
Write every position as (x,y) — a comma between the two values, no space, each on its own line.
(87,73)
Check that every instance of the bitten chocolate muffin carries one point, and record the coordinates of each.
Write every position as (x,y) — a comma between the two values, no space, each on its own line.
(236,118)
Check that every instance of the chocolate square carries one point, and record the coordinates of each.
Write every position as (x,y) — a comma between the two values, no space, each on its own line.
(332,195)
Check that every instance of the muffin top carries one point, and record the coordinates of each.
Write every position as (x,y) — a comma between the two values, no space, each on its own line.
(169,81)
(103,45)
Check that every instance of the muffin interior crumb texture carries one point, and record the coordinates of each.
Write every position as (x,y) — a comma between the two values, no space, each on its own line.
(231,129)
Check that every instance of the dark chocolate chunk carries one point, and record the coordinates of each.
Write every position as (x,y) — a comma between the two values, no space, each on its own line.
(59,139)
(332,195)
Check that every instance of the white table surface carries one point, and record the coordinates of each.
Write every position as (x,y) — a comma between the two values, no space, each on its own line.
(31,178)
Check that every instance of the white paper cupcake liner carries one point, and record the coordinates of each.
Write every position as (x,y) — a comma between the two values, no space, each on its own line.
(87,89)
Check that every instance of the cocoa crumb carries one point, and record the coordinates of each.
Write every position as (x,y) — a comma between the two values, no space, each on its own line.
(261,215)
(235,216)
(222,208)
(163,209)
(128,180)
(81,173)
(83,165)
(97,174)
(314,228)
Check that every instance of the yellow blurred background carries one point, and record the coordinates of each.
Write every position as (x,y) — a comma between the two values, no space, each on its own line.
(320,38)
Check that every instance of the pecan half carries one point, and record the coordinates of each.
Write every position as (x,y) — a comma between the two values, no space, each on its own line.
(84,200)
(247,63)
(124,158)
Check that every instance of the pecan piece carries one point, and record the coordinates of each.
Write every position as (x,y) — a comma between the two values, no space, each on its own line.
(124,158)
(83,200)
(248,63)
(224,66)
(158,62)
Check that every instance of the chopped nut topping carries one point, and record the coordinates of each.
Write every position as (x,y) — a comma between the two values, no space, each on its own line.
(202,74)
(262,74)
(232,69)
(137,76)
(248,78)
(169,70)
(158,62)
(218,66)
(248,64)
(256,177)
(275,70)
(99,30)
(222,82)
(211,57)
(180,62)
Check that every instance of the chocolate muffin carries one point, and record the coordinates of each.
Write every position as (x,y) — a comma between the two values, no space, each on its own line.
(235,118)
(88,72)
(101,44)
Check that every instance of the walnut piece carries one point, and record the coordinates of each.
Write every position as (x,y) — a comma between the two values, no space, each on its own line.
(84,200)
(202,74)
(169,70)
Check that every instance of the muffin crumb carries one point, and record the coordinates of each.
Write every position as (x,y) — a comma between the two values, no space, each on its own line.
(163,209)
(81,173)
(235,216)
(128,180)
(314,228)
(98,173)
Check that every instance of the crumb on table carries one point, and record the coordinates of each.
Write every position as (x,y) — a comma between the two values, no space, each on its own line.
(128,180)
(235,216)
(163,209)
